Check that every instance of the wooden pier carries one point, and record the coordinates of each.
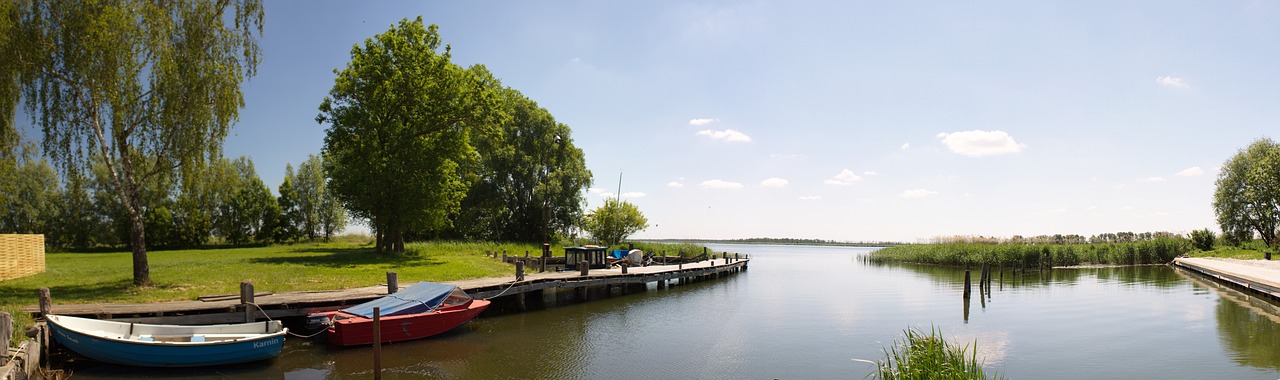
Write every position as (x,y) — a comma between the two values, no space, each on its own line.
(300,304)
(1258,280)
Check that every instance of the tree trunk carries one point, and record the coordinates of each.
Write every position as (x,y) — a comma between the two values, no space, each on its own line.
(138,244)
(399,240)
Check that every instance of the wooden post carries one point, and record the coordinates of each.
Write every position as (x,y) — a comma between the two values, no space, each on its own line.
(582,267)
(377,343)
(504,255)
(393,282)
(246,299)
(46,302)
(520,270)
(624,268)
(966,288)
(6,332)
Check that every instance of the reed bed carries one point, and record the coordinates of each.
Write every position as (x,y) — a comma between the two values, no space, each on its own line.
(1155,251)
(929,356)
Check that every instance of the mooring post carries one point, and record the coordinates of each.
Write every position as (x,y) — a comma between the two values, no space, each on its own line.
(966,288)
(504,255)
(6,332)
(246,299)
(520,270)
(624,268)
(46,302)
(377,342)
(393,282)
(582,267)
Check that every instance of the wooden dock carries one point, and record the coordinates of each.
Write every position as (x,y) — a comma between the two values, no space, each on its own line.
(300,304)
(1258,280)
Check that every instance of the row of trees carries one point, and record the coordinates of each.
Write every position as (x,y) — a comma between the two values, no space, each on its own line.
(1104,238)
(223,202)
(422,147)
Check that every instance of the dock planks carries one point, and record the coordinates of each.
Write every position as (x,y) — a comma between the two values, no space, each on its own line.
(1261,280)
(295,304)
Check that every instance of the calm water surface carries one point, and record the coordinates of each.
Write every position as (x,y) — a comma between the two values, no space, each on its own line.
(806,312)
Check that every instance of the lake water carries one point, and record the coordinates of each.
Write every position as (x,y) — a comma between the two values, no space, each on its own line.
(806,312)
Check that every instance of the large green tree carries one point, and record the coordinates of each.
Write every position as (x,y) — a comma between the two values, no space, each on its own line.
(1247,199)
(614,221)
(400,117)
(148,87)
(529,183)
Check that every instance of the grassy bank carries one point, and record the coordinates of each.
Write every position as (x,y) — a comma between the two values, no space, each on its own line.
(1156,251)
(930,356)
(187,274)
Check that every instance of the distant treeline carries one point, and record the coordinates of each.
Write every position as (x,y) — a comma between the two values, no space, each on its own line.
(783,241)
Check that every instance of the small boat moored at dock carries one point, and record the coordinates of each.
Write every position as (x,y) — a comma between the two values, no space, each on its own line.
(149,345)
(418,311)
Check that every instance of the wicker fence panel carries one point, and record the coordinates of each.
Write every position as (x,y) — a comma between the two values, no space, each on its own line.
(21,255)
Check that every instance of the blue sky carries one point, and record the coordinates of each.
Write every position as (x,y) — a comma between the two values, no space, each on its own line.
(858,121)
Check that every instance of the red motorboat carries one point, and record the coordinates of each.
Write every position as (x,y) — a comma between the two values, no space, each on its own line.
(419,311)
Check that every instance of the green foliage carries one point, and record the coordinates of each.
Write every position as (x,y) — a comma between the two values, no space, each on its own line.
(1155,251)
(148,88)
(929,357)
(530,178)
(1202,239)
(1247,199)
(614,221)
(28,204)
(288,226)
(400,117)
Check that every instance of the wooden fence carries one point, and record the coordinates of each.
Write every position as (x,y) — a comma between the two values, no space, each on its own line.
(21,255)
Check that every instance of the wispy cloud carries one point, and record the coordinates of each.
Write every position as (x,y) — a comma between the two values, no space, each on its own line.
(1171,81)
(1151,179)
(774,182)
(720,184)
(633,194)
(917,193)
(675,184)
(845,178)
(905,146)
(810,198)
(1191,172)
(871,173)
(727,135)
(981,143)
(702,122)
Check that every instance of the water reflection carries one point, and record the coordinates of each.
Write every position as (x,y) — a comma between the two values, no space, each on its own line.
(1247,325)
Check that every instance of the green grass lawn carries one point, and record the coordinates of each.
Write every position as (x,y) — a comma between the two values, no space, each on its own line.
(188,274)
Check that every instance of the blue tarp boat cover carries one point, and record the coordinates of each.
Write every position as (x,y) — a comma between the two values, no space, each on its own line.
(417,298)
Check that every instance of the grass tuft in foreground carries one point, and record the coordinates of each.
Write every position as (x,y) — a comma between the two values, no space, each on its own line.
(929,356)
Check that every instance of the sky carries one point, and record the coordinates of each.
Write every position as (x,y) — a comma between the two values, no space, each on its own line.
(848,121)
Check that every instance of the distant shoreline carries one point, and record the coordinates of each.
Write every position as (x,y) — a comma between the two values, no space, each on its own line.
(777,241)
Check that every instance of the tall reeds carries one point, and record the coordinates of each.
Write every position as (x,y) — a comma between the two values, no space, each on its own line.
(1154,251)
(929,356)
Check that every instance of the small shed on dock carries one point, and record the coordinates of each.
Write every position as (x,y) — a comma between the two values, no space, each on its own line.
(594,256)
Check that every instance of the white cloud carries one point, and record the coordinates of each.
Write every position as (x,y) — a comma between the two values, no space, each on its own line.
(1191,172)
(674,184)
(905,146)
(845,178)
(1170,81)
(633,194)
(774,182)
(917,193)
(594,190)
(811,198)
(702,122)
(870,173)
(1151,179)
(981,143)
(727,135)
(720,184)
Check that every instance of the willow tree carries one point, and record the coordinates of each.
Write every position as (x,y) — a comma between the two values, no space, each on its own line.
(1247,199)
(400,117)
(148,87)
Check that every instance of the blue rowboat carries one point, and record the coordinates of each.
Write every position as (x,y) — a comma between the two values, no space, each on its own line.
(148,345)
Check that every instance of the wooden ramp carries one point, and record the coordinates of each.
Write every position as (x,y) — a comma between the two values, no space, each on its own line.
(298,304)
(1258,279)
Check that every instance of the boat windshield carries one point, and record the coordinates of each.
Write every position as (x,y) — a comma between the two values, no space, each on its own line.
(457,297)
